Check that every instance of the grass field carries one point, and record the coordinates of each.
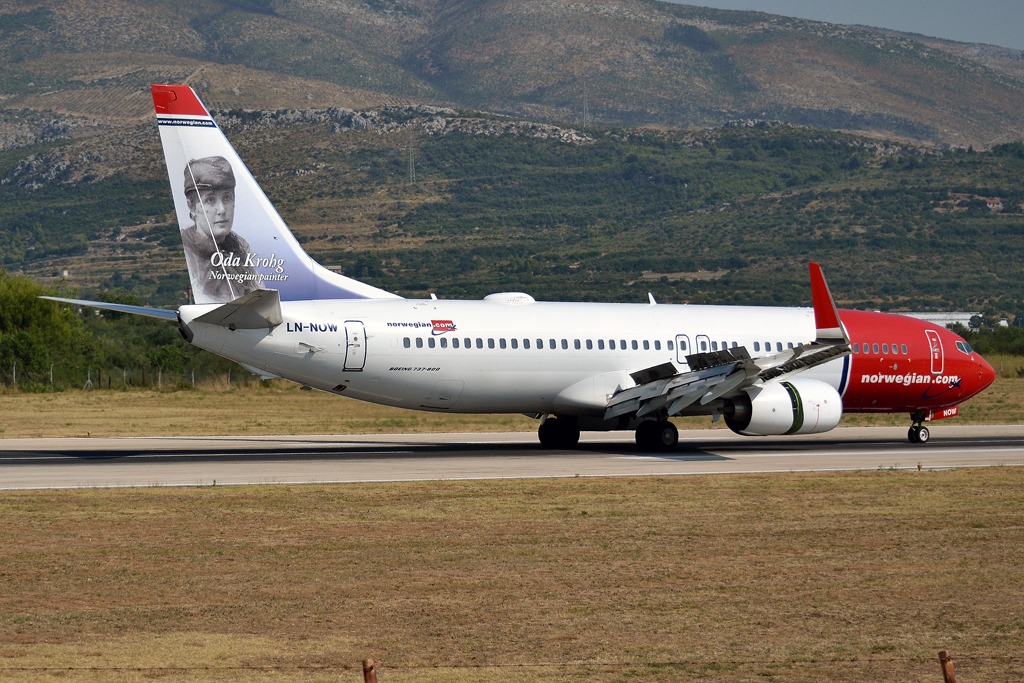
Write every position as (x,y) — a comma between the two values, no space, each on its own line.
(281,408)
(728,578)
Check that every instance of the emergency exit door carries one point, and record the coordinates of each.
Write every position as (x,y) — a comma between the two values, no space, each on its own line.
(355,347)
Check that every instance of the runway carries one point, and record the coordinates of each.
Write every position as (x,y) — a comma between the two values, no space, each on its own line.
(203,461)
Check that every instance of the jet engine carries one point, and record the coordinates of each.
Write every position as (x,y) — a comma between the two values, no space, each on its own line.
(797,406)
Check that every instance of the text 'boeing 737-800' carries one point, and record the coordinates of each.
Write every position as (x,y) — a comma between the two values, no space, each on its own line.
(262,301)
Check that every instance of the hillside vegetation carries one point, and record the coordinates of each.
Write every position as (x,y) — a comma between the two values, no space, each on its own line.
(618,62)
(728,215)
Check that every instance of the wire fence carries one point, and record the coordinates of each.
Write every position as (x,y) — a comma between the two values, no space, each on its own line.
(97,378)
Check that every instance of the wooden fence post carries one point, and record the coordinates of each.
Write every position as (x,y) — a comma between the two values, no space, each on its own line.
(948,672)
(370,671)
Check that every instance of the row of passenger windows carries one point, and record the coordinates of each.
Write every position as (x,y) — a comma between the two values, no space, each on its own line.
(528,343)
(873,348)
(610,344)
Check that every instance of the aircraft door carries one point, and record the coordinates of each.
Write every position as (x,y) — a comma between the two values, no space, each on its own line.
(935,346)
(355,349)
(702,344)
(682,348)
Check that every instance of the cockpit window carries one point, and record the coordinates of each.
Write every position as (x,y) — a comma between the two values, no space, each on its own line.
(965,347)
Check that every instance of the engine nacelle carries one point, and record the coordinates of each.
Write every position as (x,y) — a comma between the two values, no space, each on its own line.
(798,406)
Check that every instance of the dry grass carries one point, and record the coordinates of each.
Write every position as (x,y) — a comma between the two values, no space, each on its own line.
(282,408)
(608,579)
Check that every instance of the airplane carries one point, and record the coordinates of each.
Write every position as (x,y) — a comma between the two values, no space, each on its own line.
(262,301)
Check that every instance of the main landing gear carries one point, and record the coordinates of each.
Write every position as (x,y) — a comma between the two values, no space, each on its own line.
(918,433)
(657,436)
(559,432)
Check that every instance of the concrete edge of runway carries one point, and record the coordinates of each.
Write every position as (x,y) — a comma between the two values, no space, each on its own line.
(630,475)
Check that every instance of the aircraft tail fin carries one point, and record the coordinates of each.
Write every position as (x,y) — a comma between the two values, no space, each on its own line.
(235,242)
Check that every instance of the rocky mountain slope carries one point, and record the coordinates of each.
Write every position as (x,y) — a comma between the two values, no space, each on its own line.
(613,62)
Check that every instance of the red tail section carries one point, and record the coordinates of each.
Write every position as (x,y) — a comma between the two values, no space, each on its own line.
(177,99)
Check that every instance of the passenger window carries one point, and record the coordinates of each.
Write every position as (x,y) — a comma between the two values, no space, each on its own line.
(790,345)
(600,344)
(757,346)
(419,342)
(469,343)
(622,344)
(634,345)
(590,344)
(703,346)
(551,344)
(903,349)
(874,348)
(611,344)
(515,343)
(431,342)
(885,348)
(479,343)
(856,348)
(406,342)
(501,342)
(778,346)
(526,343)
(565,343)
(455,342)
(444,342)
(576,343)
(490,343)
(657,345)
(714,346)
(647,345)
(669,346)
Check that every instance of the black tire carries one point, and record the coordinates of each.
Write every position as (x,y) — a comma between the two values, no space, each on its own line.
(665,436)
(559,433)
(569,434)
(644,436)
(912,435)
(548,433)
(923,435)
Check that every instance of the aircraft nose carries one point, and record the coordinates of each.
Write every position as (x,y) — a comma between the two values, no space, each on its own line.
(986,373)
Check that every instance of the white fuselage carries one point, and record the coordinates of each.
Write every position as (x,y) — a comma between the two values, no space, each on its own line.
(492,356)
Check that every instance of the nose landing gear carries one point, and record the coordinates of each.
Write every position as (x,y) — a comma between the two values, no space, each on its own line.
(918,433)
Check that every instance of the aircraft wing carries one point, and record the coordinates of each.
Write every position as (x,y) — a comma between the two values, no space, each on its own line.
(725,373)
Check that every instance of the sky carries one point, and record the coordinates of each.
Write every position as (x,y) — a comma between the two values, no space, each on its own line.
(996,22)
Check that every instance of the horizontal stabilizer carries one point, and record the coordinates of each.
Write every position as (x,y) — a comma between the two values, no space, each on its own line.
(256,310)
(161,313)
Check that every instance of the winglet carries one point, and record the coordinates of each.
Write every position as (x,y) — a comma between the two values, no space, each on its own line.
(826,317)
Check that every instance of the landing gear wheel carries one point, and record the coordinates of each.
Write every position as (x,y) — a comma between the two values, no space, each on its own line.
(559,433)
(548,433)
(645,436)
(919,434)
(657,436)
(666,436)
